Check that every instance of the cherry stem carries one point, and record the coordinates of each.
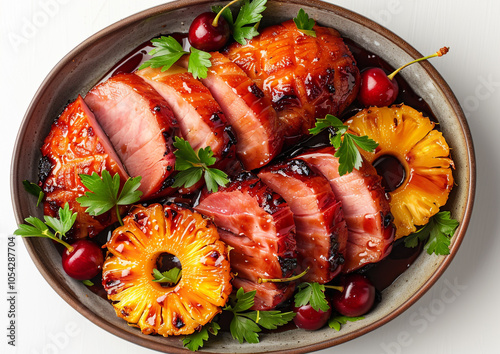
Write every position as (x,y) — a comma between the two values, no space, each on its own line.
(283,280)
(58,239)
(339,288)
(439,53)
(215,22)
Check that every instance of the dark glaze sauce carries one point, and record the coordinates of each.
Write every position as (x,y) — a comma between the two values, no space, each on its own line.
(383,273)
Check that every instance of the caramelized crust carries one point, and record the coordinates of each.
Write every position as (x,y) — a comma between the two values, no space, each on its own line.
(305,77)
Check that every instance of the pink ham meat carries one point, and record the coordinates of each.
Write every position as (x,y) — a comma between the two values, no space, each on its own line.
(249,112)
(140,125)
(366,209)
(76,145)
(321,228)
(259,225)
(201,120)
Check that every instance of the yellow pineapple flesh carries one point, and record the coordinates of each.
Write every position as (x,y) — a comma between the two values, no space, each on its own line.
(133,250)
(406,134)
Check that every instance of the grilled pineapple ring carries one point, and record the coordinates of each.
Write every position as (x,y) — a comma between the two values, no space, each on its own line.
(406,134)
(132,253)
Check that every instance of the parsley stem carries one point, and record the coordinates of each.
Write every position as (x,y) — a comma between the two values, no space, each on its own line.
(283,280)
(215,22)
(117,208)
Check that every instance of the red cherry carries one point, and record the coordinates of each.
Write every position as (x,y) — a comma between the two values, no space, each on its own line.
(309,319)
(357,297)
(84,261)
(203,35)
(376,88)
(379,89)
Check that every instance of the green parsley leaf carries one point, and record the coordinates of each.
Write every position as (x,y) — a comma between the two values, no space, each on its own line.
(34,189)
(199,62)
(193,165)
(243,300)
(171,276)
(168,51)
(438,233)
(244,329)
(62,225)
(338,321)
(312,293)
(196,340)
(245,326)
(37,228)
(304,23)
(103,193)
(250,14)
(347,148)
(87,282)
(270,319)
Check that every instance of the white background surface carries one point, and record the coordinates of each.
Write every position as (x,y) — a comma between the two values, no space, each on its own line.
(462,320)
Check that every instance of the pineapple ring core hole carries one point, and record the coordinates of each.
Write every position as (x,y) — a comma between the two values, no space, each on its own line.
(165,262)
(392,171)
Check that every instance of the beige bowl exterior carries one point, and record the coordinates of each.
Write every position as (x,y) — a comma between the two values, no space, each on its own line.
(78,71)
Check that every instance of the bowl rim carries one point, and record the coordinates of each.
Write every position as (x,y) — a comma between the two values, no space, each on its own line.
(175,5)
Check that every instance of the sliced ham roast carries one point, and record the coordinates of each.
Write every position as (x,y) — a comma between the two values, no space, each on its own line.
(259,225)
(366,208)
(140,125)
(201,120)
(76,145)
(321,229)
(249,112)
(305,77)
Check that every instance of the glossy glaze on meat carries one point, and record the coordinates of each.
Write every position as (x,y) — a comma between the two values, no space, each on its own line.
(247,109)
(76,145)
(321,229)
(259,225)
(366,208)
(141,127)
(201,120)
(305,77)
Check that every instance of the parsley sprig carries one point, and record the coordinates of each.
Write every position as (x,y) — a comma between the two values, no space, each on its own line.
(246,325)
(436,234)
(196,340)
(247,21)
(195,164)
(304,23)
(34,189)
(171,276)
(312,293)
(103,193)
(168,51)
(347,148)
(337,321)
(53,228)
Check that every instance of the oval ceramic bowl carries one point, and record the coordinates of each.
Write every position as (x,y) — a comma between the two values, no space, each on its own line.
(87,63)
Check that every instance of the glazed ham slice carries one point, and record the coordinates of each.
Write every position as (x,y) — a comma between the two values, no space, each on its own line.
(249,112)
(305,77)
(321,228)
(366,209)
(201,120)
(76,145)
(140,125)
(259,225)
